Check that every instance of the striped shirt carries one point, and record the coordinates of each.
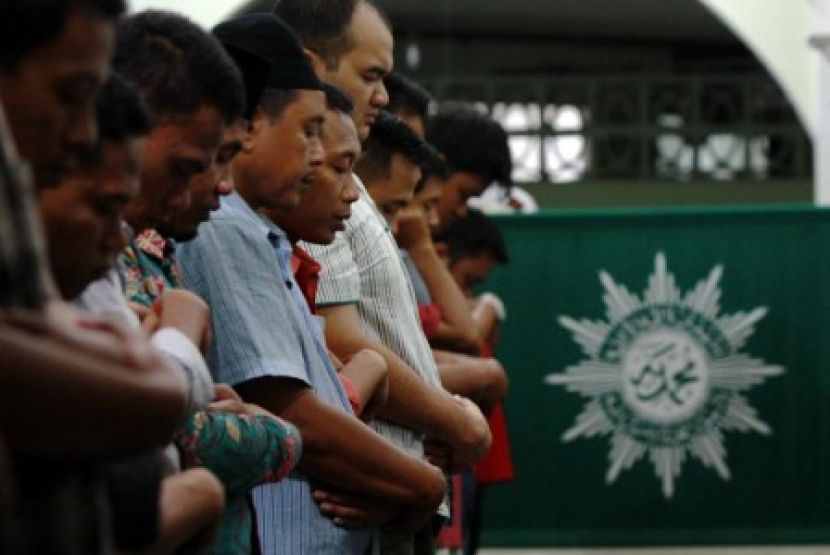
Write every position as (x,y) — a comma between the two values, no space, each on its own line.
(240,263)
(363,266)
(419,286)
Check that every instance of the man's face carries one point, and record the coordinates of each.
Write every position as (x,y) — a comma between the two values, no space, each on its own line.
(207,187)
(326,205)
(281,155)
(82,216)
(362,69)
(49,98)
(457,190)
(394,193)
(472,270)
(428,199)
(176,151)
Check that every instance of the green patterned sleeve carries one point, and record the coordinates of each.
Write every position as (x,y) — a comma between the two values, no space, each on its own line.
(242,451)
(128,260)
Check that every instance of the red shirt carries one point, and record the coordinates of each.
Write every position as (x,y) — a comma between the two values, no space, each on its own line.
(306,272)
(430,315)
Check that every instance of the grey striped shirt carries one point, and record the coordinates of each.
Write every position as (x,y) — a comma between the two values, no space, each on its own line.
(240,265)
(364,266)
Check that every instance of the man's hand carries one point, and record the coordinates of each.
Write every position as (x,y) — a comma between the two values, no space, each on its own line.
(355,511)
(103,339)
(223,392)
(182,310)
(191,503)
(467,450)
(147,316)
(228,400)
(438,454)
(413,229)
(238,407)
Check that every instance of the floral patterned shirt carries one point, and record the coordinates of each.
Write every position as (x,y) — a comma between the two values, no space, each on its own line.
(149,266)
(243,452)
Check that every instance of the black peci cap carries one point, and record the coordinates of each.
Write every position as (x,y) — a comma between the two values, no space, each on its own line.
(255,71)
(268,53)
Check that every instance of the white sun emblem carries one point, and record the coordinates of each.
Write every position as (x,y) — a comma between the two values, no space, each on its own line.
(664,375)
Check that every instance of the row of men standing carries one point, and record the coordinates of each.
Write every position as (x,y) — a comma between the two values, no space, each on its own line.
(178,131)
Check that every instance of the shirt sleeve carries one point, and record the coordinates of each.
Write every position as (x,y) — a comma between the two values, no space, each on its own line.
(242,451)
(191,366)
(233,267)
(104,298)
(339,278)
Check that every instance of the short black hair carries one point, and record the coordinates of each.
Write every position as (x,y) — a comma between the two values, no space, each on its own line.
(177,66)
(389,135)
(275,101)
(121,115)
(473,235)
(433,166)
(322,25)
(406,96)
(337,99)
(121,111)
(25,25)
(472,142)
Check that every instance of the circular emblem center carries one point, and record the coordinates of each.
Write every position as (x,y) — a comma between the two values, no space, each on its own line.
(664,376)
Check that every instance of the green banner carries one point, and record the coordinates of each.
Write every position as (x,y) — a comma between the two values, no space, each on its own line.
(668,378)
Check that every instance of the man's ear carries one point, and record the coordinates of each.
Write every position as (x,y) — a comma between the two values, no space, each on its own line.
(317,63)
(256,127)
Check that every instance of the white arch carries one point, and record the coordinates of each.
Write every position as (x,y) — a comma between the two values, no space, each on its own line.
(820,39)
(776,32)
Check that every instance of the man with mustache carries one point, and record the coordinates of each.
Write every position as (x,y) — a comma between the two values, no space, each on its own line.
(271,348)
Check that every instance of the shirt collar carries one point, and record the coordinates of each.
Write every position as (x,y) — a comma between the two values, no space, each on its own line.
(306,272)
(300,258)
(153,244)
(364,195)
(240,206)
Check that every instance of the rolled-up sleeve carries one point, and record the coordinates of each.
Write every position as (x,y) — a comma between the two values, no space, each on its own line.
(243,451)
